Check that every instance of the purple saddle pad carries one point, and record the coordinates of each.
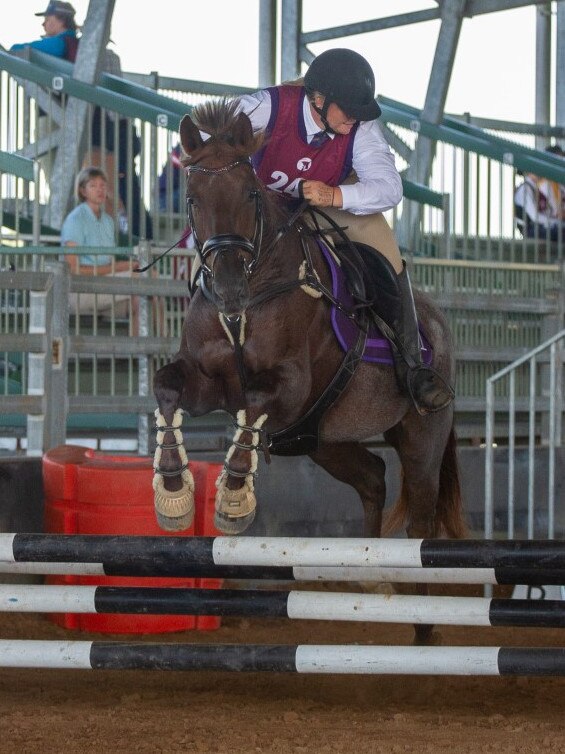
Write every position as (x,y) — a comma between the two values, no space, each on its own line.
(377,347)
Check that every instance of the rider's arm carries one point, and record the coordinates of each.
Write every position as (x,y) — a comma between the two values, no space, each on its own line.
(257,107)
(379,186)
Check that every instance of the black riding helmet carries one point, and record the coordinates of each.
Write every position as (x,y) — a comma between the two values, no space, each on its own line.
(346,78)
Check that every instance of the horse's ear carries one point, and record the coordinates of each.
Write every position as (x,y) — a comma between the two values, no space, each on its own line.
(242,131)
(189,135)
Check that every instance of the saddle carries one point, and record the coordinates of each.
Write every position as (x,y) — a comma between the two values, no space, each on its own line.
(380,290)
(374,279)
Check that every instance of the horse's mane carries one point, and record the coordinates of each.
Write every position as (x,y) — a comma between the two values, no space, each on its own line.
(220,119)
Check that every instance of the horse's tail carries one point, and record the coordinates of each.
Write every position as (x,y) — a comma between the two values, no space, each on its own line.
(449,517)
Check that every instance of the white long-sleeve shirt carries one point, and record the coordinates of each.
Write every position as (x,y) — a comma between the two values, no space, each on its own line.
(379,187)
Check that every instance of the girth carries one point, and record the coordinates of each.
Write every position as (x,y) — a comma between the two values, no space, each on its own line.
(303,437)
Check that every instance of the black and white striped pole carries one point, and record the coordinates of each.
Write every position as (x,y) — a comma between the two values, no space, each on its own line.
(296,605)
(334,659)
(175,553)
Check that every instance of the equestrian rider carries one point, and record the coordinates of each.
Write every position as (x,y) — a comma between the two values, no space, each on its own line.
(323,137)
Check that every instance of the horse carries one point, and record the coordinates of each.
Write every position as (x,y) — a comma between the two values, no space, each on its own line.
(257,343)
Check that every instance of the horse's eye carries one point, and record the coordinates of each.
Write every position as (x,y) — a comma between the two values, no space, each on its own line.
(253,194)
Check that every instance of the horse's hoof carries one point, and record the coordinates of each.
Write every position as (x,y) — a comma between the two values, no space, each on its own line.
(174,511)
(235,509)
(231,524)
(178,523)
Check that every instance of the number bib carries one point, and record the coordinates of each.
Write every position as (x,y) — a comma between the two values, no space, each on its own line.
(287,158)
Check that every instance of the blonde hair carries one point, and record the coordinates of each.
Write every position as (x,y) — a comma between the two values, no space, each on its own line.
(85,175)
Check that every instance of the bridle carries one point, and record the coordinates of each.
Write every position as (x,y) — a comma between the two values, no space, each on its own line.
(224,242)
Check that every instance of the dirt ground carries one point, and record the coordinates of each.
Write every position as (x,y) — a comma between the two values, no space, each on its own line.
(53,711)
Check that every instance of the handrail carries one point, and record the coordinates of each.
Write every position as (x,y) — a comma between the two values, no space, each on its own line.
(115,84)
(452,121)
(555,407)
(21,167)
(95,95)
(133,100)
(423,194)
(475,140)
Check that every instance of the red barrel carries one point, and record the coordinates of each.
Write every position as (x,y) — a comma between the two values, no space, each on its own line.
(93,493)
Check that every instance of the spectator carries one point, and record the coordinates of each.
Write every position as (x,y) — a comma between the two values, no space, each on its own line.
(61,41)
(102,154)
(60,30)
(89,225)
(170,182)
(539,205)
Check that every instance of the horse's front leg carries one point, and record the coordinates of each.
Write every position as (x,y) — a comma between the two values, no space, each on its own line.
(173,484)
(235,497)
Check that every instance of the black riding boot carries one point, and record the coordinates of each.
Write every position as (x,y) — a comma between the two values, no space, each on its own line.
(428,390)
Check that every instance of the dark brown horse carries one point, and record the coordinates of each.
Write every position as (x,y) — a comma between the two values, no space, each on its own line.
(257,343)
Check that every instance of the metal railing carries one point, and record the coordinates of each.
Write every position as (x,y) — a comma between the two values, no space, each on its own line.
(44,350)
(480,171)
(110,357)
(80,372)
(131,134)
(543,406)
(466,212)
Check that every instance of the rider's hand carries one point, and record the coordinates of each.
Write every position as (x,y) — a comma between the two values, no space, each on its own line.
(319,194)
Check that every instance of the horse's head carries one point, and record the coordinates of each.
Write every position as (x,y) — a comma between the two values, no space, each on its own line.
(224,200)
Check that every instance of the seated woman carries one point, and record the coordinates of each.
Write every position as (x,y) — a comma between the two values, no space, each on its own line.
(90,225)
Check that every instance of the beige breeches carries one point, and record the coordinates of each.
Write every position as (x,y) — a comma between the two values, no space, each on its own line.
(370,229)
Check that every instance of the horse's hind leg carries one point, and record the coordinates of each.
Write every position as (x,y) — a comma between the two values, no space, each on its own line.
(173,483)
(351,463)
(430,495)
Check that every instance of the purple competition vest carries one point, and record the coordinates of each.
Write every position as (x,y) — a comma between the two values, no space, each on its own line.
(287,158)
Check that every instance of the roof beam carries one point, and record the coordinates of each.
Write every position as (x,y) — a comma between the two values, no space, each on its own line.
(480,7)
(473,8)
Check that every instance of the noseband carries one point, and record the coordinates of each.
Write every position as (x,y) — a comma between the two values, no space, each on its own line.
(223,242)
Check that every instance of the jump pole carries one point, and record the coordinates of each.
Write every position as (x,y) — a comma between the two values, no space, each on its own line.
(334,659)
(171,552)
(296,605)
(377,574)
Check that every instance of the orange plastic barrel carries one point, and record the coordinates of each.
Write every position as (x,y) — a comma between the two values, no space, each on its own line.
(93,493)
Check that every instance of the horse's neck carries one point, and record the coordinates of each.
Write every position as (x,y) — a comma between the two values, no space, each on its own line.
(282,260)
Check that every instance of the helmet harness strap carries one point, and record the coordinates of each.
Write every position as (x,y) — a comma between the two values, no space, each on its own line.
(323,112)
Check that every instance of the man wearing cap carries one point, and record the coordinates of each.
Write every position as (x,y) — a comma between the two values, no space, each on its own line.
(324,144)
(60,28)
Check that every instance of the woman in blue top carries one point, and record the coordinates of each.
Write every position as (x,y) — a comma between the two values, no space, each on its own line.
(60,30)
(89,224)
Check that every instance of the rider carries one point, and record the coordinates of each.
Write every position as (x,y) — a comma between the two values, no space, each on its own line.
(324,143)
